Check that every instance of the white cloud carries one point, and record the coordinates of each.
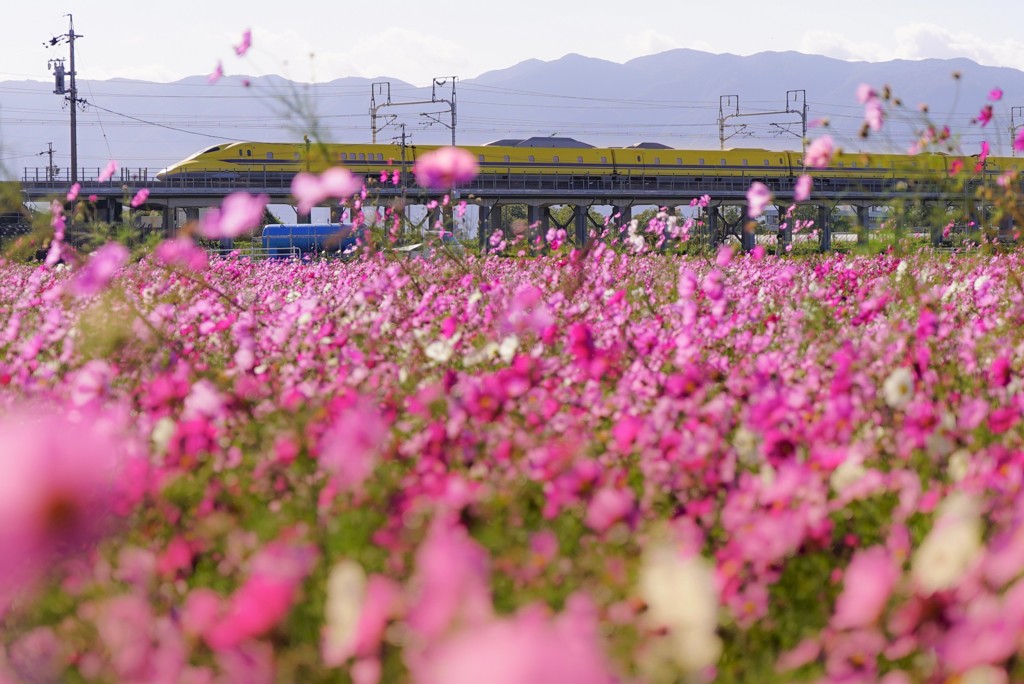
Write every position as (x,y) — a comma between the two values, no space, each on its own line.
(916,41)
(410,55)
(646,42)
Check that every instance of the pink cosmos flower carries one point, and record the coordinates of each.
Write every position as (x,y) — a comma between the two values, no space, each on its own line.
(246,43)
(802,190)
(445,167)
(527,648)
(182,252)
(955,167)
(238,214)
(868,581)
(73,192)
(874,115)
(108,171)
(609,505)
(267,595)
(140,198)
(451,581)
(218,73)
(866,93)
(758,197)
(336,182)
(101,268)
(819,152)
(1018,142)
(57,478)
(995,95)
(985,150)
(349,449)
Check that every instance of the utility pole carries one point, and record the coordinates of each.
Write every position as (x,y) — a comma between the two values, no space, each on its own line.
(1014,113)
(70,94)
(51,170)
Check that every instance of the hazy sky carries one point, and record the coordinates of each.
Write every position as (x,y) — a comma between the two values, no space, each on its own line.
(309,40)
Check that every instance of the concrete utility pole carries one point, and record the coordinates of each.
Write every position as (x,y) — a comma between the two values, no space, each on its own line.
(51,170)
(70,94)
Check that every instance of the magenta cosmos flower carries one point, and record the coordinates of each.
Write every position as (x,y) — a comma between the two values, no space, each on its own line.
(445,167)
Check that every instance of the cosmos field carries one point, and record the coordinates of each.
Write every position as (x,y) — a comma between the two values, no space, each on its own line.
(593,466)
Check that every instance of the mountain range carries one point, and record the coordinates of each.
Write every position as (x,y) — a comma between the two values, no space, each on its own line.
(673,98)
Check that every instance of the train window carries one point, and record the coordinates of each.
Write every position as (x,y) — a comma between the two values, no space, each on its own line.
(270,155)
(721,162)
(679,160)
(744,162)
(842,164)
(579,160)
(248,153)
(604,160)
(780,160)
(767,163)
(506,157)
(554,158)
(362,156)
(481,157)
(701,161)
(638,157)
(657,160)
(239,153)
(853,164)
(295,155)
(530,157)
(344,155)
(380,156)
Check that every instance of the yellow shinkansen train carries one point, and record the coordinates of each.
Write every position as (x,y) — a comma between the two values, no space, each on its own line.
(553,157)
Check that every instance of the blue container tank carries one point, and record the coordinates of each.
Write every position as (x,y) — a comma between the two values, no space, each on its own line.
(298,239)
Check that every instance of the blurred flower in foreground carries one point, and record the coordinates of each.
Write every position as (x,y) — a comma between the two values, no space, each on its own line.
(101,268)
(57,479)
(140,198)
(802,191)
(819,152)
(682,599)
(238,214)
(444,167)
(528,648)
(246,43)
(337,182)
(182,252)
(108,171)
(758,197)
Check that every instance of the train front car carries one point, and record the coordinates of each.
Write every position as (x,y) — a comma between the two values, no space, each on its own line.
(200,165)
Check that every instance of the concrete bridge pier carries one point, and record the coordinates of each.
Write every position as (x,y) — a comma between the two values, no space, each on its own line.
(712,228)
(111,210)
(824,226)
(863,224)
(579,216)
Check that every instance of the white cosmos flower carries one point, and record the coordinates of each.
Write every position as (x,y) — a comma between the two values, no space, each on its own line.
(346,592)
(507,348)
(681,596)
(440,351)
(898,388)
(847,473)
(951,548)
